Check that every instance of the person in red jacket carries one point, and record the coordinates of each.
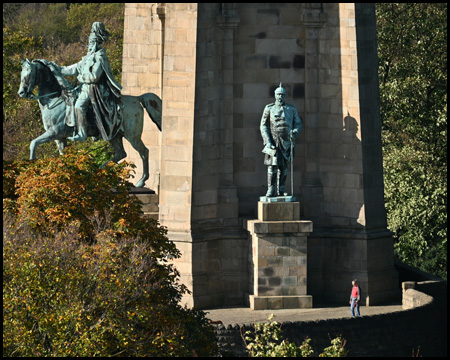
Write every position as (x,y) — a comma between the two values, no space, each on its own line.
(355,296)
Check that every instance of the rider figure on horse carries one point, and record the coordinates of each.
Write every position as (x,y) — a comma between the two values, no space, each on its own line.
(98,87)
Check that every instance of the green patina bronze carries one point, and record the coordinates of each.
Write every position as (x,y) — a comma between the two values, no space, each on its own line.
(280,125)
(95,107)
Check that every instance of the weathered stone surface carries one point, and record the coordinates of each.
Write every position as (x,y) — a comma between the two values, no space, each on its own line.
(216,67)
(265,227)
(280,302)
(278,211)
(279,258)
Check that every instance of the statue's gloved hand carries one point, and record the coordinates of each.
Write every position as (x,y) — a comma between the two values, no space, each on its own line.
(294,133)
(270,149)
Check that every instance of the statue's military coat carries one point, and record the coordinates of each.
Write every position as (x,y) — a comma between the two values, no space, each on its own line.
(277,122)
(94,72)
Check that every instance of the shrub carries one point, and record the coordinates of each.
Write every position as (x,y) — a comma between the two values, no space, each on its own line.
(11,169)
(267,341)
(84,278)
(337,348)
(55,192)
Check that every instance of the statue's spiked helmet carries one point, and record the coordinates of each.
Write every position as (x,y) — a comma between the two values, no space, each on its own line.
(280,90)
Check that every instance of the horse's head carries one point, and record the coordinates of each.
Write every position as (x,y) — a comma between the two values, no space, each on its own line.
(27,79)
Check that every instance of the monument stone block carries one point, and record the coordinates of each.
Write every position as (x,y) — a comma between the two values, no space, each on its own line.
(279,211)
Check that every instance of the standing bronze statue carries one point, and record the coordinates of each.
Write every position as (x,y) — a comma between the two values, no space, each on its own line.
(280,125)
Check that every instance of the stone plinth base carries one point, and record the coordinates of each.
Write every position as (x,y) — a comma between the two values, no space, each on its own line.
(280,302)
(150,201)
(279,257)
(278,211)
(142,190)
(276,199)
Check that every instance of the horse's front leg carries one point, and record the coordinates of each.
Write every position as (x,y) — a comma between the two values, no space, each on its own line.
(44,138)
(61,144)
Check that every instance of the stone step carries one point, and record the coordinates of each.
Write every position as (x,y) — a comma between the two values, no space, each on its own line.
(150,205)
(148,198)
(154,216)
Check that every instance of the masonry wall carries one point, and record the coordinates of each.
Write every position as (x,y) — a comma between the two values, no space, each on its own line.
(179,76)
(216,66)
(269,49)
(328,66)
(160,57)
(311,49)
(420,330)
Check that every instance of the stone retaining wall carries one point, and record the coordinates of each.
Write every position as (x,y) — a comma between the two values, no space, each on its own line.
(394,334)
(413,298)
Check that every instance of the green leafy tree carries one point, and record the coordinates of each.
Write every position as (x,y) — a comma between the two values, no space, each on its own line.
(21,119)
(337,348)
(412,40)
(55,192)
(85,274)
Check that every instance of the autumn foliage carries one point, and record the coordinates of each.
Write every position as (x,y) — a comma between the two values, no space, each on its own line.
(84,274)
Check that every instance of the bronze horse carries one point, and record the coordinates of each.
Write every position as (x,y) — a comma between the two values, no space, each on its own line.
(53,91)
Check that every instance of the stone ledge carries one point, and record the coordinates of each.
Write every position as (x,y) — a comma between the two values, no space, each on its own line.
(279,227)
(280,302)
(148,198)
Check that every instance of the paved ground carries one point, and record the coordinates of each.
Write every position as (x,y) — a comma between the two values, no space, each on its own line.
(241,315)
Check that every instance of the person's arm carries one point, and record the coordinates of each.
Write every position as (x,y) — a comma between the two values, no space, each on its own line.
(70,70)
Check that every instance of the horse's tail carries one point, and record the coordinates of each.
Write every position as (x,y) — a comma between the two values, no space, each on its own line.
(153,104)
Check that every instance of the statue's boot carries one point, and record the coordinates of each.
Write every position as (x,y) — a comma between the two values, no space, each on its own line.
(271,182)
(282,180)
(80,116)
(81,136)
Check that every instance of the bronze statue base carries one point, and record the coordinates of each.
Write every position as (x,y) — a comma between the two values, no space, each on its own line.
(272,199)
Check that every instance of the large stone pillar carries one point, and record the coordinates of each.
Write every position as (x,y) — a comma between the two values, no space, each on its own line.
(198,200)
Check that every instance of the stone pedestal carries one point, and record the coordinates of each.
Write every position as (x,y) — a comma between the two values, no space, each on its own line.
(279,257)
(150,201)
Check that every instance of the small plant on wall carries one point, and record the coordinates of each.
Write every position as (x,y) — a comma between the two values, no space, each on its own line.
(267,341)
